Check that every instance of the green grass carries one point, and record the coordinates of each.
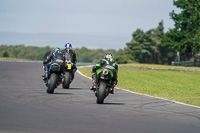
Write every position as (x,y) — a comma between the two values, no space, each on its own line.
(146,66)
(11,59)
(175,85)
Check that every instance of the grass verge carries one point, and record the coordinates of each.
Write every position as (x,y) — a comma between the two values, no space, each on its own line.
(159,67)
(11,59)
(175,85)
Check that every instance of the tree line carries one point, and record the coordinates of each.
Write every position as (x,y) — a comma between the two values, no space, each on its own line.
(40,53)
(153,46)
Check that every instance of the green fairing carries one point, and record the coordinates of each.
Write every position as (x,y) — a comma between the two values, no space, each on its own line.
(111,73)
(98,65)
(105,61)
(101,70)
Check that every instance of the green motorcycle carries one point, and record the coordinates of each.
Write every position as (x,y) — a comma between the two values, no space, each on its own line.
(104,80)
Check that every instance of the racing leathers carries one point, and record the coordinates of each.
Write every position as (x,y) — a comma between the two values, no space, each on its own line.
(70,55)
(50,58)
(102,63)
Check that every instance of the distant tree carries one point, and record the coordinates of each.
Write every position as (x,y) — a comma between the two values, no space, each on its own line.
(138,48)
(147,47)
(156,36)
(141,48)
(185,37)
(123,56)
(44,52)
(5,54)
(87,55)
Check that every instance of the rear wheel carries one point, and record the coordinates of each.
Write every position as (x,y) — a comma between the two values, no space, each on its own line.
(66,82)
(101,92)
(52,83)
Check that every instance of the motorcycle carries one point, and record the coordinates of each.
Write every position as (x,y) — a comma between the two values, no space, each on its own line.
(55,77)
(104,83)
(68,74)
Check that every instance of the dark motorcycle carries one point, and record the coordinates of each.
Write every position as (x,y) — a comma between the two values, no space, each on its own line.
(104,77)
(55,77)
(68,74)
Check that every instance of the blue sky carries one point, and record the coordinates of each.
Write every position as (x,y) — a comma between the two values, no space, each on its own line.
(101,22)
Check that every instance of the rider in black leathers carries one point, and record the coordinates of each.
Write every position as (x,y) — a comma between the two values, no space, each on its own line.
(108,60)
(56,54)
(70,55)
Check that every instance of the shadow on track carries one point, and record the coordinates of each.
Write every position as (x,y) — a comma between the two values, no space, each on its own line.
(113,103)
(61,93)
(76,88)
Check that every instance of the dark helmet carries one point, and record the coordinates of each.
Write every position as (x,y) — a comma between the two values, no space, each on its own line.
(68,46)
(108,56)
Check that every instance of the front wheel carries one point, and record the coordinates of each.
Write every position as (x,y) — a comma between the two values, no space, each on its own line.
(52,83)
(66,82)
(101,92)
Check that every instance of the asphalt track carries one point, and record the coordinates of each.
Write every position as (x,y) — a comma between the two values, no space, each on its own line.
(25,107)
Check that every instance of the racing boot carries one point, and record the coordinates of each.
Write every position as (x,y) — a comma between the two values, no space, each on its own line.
(45,76)
(93,86)
(72,75)
(94,82)
(113,86)
(112,90)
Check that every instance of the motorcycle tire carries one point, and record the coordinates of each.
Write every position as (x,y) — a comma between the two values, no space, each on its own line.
(101,92)
(52,83)
(66,82)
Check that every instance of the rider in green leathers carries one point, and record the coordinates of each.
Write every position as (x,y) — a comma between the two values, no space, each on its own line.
(108,60)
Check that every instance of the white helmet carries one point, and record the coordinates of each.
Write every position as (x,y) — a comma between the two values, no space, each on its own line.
(108,56)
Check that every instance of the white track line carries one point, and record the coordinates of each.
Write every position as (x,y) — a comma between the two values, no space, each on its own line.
(141,93)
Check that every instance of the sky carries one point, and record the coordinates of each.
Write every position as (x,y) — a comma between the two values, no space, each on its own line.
(90,23)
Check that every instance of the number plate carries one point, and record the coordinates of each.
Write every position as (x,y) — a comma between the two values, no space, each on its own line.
(69,66)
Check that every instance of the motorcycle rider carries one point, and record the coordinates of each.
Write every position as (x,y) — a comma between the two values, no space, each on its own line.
(56,54)
(70,55)
(108,60)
